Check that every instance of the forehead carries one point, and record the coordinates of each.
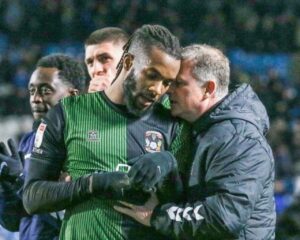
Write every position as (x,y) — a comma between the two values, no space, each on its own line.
(104,47)
(186,70)
(43,75)
(167,65)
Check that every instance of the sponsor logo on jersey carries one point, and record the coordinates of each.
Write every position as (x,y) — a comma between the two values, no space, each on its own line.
(93,135)
(39,135)
(153,141)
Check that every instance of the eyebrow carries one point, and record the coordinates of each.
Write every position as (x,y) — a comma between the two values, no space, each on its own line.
(152,69)
(40,85)
(100,54)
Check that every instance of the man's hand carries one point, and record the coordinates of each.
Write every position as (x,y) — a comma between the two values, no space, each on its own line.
(141,214)
(150,168)
(99,84)
(11,166)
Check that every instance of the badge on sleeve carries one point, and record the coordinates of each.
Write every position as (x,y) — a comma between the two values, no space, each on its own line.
(39,135)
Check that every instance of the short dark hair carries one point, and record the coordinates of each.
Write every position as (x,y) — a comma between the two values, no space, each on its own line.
(70,70)
(108,34)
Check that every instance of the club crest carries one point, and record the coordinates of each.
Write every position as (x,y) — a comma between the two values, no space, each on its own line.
(154,141)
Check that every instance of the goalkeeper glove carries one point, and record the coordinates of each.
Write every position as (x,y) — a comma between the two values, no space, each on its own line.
(11,166)
(150,168)
(110,185)
(116,186)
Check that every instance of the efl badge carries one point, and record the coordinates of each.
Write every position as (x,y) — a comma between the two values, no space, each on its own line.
(154,141)
(39,135)
(93,135)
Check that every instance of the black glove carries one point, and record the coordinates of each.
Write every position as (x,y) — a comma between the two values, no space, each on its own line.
(150,168)
(109,185)
(116,186)
(11,166)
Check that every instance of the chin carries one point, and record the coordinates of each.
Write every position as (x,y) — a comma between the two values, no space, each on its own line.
(174,112)
(138,111)
(37,116)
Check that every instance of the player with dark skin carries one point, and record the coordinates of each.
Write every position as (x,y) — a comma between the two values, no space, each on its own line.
(121,116)
(55,77)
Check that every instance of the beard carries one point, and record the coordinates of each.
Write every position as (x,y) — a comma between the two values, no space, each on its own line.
(130,95)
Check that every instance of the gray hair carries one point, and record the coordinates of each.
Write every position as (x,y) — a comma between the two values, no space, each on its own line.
(210,64)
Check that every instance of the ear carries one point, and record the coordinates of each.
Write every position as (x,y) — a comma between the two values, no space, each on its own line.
(73,91)
(128,61)
(210,89)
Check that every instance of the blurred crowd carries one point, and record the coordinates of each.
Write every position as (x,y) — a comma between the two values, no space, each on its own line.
(33,28)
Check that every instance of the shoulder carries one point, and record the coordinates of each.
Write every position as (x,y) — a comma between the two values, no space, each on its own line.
(232,139)
(71,100)
(26,142)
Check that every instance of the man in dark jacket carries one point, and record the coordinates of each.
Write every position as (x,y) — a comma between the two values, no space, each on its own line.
(230,185)
(56,76)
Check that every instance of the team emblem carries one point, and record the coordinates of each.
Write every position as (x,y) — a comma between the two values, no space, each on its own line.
(93,135)
(39,135)
(154,141)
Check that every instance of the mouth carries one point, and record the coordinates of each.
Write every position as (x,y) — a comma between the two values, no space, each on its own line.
(145,100)
(37,110)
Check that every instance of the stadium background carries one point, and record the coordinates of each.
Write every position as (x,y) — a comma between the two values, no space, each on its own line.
(261,38)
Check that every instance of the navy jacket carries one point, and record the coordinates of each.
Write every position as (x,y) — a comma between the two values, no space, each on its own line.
(230,187)
(12,214)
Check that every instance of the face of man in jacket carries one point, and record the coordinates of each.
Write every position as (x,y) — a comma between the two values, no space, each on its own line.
(190,98)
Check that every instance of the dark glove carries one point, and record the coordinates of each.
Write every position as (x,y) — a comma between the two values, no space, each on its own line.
(109,185)
(150,168)
(11,166)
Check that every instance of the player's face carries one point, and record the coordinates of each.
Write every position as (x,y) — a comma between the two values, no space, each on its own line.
(45,89)
(146,84)
(186,94)
(102,59)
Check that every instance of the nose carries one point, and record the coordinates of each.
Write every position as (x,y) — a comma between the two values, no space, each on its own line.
(171,88)
(36,97)
(158,88)
(98,69)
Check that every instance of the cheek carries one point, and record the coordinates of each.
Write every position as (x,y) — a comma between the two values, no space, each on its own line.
(182,95)
(140,85)
(189,100)
(52,100)
(114,64)
(113,69)
(90,71)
